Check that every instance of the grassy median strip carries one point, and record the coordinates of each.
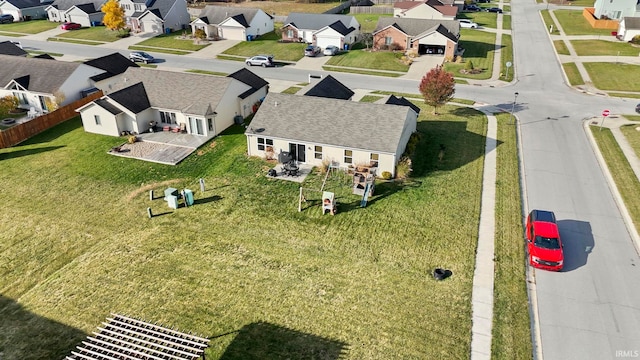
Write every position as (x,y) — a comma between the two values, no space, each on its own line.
(357,284)
(571,69)
(357,71)
(614,76)
(511,330)
(623,175)
(207,72)
(506,55)
(159,50)
(561,47)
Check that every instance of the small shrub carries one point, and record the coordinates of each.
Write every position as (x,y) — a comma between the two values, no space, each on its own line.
(395,46)
(635,40)
(132,139)
(403,169)
(468,65)
(386,175)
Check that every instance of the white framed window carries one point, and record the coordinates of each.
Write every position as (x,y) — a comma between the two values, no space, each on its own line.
(168,117)
(388,40)
(262,142)
(374,159)
(317,152)
(22,98)
(348,157)
(97,119)
(289,33)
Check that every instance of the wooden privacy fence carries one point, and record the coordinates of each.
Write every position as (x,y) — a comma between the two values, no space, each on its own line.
(21,132)
(371,10)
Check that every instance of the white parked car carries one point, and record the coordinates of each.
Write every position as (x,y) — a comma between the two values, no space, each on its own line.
(331,50)
(466,23)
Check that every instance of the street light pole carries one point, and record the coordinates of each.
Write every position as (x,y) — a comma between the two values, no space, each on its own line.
(513,108)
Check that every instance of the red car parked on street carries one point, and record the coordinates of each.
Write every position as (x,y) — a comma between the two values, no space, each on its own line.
(544,246)
(70,26)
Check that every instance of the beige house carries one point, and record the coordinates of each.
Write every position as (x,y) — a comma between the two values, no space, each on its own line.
(351,133)
(232,23)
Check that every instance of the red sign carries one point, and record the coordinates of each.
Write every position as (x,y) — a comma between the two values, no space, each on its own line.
(605,113)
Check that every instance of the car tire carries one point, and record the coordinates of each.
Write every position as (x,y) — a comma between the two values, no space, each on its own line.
(264,65)
(248,63)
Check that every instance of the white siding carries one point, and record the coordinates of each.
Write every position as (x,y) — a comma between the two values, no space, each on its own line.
(424,12)
(435,38)
(232,33)
(108,123)
(178,16)
(228,106)
(246,105)
(260,25)
(77,82)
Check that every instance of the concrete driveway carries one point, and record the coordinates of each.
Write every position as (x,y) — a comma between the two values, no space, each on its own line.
(421,65)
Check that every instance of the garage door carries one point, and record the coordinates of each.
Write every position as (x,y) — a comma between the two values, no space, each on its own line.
(323,42)
(232,33)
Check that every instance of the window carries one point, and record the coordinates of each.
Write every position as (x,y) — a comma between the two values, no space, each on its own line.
(388,40)
(262,142)
(318,152)
(289,33)
(348,157)
(374,159)
(97,118)
(138,7)
(22,98)
(168,117)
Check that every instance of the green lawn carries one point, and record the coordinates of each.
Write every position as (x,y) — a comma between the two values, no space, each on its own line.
(370,98)
(368,22)
(379,60)
(357,284)
(603,48)
(506,55)
(611,76)
(291,90)
(268,44)
(561,47)
(29,27)
(624,95)
(479,48)
(172,41)
(511,330)
(506,22)
(573,23)
(548,21)
(90,34)
(573,74)
(624,177)
(206,72)
(484,19)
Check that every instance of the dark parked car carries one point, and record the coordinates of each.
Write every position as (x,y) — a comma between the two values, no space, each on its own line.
(494,10)
(638,108)
(311,50)
(141,56)
(472,8)
(70,26)
(6,19)
(484,1)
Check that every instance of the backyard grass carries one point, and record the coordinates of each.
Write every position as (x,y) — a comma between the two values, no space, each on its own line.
(479,48)
(624,177)
(612,76)
(29,27)
(548,21)
(363,59)
(506,22)
(506,55)
(206,72)
(88,34)
(561,47)
(352,286)
(370,98)
(172,41)
(483,19)
(573,75)
(573,23)
(291,90)
(603,48)
(268,44)
(368,22)
(511,330)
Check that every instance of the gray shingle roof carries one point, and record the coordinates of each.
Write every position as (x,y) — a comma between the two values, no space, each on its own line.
(68,4)
(112,64)
(316,21)
(214,15)
(133,98)
(631,22)
(108,106)
(348,124)
(249,78)
(9,48)
(25,4)
(190,93)
(45,76)
(415,27)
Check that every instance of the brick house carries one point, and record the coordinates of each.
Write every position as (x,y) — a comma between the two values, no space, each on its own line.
(421,36)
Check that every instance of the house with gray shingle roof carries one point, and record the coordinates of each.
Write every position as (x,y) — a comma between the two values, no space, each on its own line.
(139,98)
(628,28)
(350,133)
(155,16)
(232,23)
(25,9)
(83,12)
(39,82)
(321,29)
(424,10)
(420,36)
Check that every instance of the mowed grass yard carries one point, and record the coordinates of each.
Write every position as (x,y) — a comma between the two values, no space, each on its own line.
(573,23)
(172,41)
(480,49)
(364,59)
(94,33)
(242,266)
(29,27)
(603,48)
(612,76)
(268,44)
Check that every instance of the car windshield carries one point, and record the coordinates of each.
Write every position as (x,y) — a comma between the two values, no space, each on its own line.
(143,54)
(547,243)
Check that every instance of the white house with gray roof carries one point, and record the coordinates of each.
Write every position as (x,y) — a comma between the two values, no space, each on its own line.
(38,83)
(321,29)
(629,28)
(24,9)
(233,23)
(83,12)
(351,133)
(155,16)
(199,104)
(617,9)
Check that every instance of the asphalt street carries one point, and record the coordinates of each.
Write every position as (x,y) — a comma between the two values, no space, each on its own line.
(591,310)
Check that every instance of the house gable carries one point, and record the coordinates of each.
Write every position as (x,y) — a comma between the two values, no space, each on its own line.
(330,88)
(9,48)
(112,64)
(133,98)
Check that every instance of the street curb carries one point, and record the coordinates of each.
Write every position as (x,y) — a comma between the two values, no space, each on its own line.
(626,217)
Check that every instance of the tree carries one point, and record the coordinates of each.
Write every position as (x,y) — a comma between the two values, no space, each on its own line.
(113,15)
(437,87)
(8,103)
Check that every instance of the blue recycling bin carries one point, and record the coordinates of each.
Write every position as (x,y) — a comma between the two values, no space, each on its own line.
(167,31)
(346,47)
(249,37)
(188,197)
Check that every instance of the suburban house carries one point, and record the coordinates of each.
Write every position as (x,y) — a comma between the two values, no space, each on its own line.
(370,132)
(83,12)
(432,9)
(232,23)
(40,83)
(112,65)
(155,16)
(421,36)
(197,104)
(9,48)
(629,27)
(321,30)
(330,88)
(24,9)
(616,10)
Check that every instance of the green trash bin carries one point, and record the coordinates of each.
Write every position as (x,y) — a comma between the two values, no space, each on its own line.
(188,197)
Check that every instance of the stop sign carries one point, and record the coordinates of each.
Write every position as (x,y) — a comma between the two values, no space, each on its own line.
(605,112)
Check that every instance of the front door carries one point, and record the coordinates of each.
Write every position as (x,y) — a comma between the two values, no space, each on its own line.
(196,126)
(297,152)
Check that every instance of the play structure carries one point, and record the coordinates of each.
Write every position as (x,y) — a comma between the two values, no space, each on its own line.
(364,182)
(329,205)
